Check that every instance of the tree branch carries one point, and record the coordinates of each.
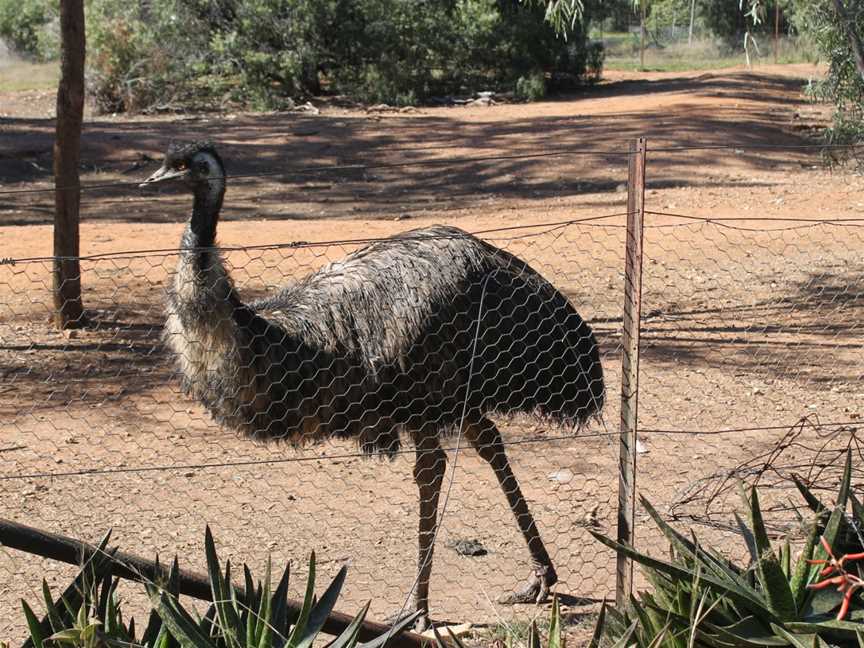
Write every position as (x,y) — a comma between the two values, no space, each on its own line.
(854,38)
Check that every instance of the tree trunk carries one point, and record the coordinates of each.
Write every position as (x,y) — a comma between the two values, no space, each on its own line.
(854,38)
(692,20)
(68,307)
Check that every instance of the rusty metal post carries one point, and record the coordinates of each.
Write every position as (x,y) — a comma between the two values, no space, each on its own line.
(630,365)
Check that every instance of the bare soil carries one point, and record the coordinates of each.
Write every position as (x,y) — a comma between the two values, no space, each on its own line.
(747,323)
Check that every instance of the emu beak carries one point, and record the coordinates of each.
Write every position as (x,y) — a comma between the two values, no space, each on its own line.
(163,174)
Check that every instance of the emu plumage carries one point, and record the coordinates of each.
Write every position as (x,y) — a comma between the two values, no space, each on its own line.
(417,335)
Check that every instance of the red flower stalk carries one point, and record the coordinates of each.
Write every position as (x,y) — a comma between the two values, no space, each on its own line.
(846,583)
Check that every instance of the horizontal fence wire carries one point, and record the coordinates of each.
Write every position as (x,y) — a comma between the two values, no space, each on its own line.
(560,152)
(752,330)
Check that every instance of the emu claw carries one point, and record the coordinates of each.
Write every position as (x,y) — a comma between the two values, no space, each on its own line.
(536,590)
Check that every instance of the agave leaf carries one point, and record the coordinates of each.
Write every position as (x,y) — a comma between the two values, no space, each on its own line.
(280,607)
(104,591)
(70,635)
(320,611)
(110,615)
(303,617)
(598,627)
(33,625)
(748,598)
(845,631)
(533,640)
(803,569)
(53,615)
(555,638)
(395,630)
(646,623)
(860,636)
(857,510)
(745,634)
(249,584)
(770,572)
(795,640)
(348,637)
(813,502)
(225,613)
(264,629)
(838,515)
(624,640)
(749,540)
(691,549)
(749,630)
(177,621)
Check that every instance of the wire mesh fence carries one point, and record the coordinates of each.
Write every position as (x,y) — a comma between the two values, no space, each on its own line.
(746,328)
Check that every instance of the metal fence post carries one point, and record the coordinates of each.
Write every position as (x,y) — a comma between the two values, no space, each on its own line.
(630,365)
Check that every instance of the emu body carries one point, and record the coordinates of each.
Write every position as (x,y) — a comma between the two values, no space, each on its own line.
(415,336)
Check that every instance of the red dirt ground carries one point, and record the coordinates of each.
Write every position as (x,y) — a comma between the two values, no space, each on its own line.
(749,323)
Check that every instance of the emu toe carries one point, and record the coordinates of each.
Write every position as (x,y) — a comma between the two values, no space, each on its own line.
(536,590)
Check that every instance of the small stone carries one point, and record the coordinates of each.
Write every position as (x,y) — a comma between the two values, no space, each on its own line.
(562,476)
(468,547)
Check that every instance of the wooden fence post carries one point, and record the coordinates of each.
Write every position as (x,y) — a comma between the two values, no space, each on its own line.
(630,365)
(68,307)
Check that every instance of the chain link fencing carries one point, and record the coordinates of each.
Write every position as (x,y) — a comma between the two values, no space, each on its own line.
(746,328)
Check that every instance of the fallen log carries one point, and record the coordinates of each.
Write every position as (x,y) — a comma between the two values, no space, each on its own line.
(75,552)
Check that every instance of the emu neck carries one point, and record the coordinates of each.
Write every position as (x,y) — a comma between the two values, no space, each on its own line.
(201,231)
(201,278)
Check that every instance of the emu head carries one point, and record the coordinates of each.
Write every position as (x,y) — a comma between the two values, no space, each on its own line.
(195,164)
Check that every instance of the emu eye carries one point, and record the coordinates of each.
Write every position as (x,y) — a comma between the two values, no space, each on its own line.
(181,166)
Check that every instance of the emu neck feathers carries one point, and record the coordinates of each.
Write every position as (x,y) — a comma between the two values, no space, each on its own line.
(201,231)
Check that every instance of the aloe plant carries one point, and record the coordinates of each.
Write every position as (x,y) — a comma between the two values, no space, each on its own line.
(260,617)
(699,598)
(89,612)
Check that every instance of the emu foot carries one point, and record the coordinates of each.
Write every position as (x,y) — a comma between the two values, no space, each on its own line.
(536,590)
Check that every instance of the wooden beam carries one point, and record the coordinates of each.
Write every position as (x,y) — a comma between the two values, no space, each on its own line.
(630,366)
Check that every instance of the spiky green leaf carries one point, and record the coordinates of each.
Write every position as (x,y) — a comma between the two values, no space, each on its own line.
(768,568)
(321,611)
(178,622)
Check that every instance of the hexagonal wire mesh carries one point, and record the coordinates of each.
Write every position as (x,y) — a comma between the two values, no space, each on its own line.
(101,436)
(744,331)
(751,369)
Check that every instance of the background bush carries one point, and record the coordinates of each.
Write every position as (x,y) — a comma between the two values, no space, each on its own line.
(843,85)
(29,28)
(170,54)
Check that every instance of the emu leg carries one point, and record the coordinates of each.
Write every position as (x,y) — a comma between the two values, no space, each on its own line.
(429,467)
(486,439)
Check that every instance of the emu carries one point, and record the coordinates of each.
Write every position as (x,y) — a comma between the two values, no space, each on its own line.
(423,335)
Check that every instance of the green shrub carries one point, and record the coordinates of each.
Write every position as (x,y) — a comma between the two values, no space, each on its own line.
(531,87)
(29,28)
(89,612)
(842,86)
(699,598)
(265,53)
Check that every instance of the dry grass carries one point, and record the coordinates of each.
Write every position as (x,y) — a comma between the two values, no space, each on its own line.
(21,75)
